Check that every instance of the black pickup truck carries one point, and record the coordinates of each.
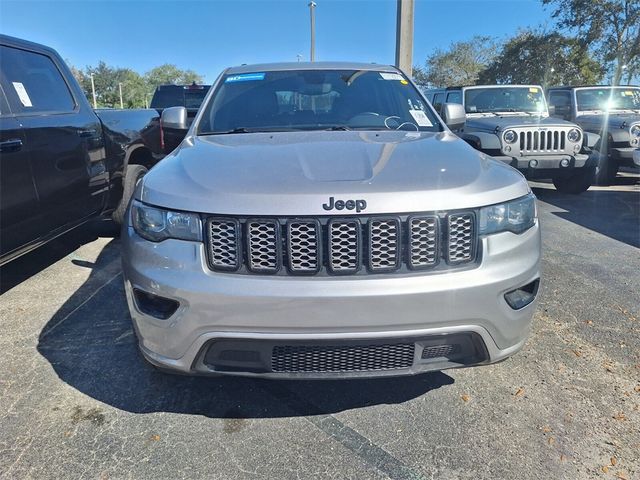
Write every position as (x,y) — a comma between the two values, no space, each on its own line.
(61,162)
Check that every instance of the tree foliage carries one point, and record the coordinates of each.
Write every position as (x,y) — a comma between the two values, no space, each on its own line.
(136,89)
(611,28)
(461,64)
(167,74)
(543,58)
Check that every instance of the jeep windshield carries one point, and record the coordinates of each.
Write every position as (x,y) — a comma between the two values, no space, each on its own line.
(604,99)
(505,100)
(290,100)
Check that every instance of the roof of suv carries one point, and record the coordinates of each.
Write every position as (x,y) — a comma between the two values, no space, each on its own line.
(571,87)
(273,67)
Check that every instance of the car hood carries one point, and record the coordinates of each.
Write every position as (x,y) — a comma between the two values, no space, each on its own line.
(510,121)
(295,173)
(621,120)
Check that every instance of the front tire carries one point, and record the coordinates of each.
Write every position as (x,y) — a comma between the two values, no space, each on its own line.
(607,167)
(132,176)
(578,182)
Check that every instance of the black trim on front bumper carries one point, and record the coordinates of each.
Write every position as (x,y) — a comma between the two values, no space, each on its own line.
(348,358)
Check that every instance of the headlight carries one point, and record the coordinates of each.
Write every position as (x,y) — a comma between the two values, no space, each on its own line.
(510,136)
(515,216)
(635,131)
(156,224)
(574,135)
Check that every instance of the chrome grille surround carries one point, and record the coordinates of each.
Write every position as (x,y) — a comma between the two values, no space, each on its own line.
(263,246)
(344,245)
(541,141)
(424,239)
(303,247)
(385,237)
(460,234)
(224,243)
(382,244)
(341,358)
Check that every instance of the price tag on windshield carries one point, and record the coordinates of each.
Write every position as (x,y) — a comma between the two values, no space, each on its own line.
(421,118)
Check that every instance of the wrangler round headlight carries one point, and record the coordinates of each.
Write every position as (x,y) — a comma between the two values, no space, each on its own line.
(635,130)
(574,135)
(510,136)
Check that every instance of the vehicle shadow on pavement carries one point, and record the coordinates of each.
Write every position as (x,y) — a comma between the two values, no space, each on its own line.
(91,346)
(23,268)
(614,213)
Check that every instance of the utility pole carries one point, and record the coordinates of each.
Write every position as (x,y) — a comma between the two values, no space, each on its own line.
(404,36)
(312,12)
(120,87)
(93,91)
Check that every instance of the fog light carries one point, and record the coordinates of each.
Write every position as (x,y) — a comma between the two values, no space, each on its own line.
(523,296)
(564,162)
(155,305)
(507,148)
(533,163)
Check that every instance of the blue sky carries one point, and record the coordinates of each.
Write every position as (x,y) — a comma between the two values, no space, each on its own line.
(207,36)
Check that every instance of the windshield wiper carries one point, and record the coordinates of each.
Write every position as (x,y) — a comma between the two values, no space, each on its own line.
(227,132)
(338,128)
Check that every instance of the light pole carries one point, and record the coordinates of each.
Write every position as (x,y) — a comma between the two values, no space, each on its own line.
(312,10)
(93,91)
(404,36)
(120,88)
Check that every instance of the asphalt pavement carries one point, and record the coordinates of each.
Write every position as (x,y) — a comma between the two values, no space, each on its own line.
(78,401)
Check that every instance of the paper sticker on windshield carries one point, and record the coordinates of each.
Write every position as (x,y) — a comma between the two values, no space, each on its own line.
(421,118)
(533,90)
(628,93)
(22,94)
(391,76)
(245,77)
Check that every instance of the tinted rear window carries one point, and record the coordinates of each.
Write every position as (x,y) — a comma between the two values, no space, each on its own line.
(179,96)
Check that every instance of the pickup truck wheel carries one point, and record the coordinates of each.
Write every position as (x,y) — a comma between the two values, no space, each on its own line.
(132,175)
(579,182)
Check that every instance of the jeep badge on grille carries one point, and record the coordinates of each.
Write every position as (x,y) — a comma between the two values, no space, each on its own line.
(359,205)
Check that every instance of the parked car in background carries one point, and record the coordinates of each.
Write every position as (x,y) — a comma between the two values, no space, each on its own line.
(188,96)
(61,163)
(511,123)
(611,112)
(319,220)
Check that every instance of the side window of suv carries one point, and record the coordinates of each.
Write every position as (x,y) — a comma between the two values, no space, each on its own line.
(437,102)
(454,97)
(32,83)
(560,99)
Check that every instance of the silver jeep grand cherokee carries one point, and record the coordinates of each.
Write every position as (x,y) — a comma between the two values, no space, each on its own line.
(320,220)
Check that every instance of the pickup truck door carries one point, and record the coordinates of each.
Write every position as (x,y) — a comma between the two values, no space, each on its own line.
(63,137)
(19,208)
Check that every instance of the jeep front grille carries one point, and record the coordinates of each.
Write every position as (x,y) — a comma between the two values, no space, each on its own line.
(341,246)
(543,141)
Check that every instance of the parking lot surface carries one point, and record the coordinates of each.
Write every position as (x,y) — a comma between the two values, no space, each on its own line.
(78,401)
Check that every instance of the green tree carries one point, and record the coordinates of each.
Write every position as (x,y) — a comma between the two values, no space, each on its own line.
(135,87)
(167,74)
(460,64)
(610,27)
(543,58)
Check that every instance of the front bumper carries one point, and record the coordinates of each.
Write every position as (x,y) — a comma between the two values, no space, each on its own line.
(326,315)
(548,166)
(623,154)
